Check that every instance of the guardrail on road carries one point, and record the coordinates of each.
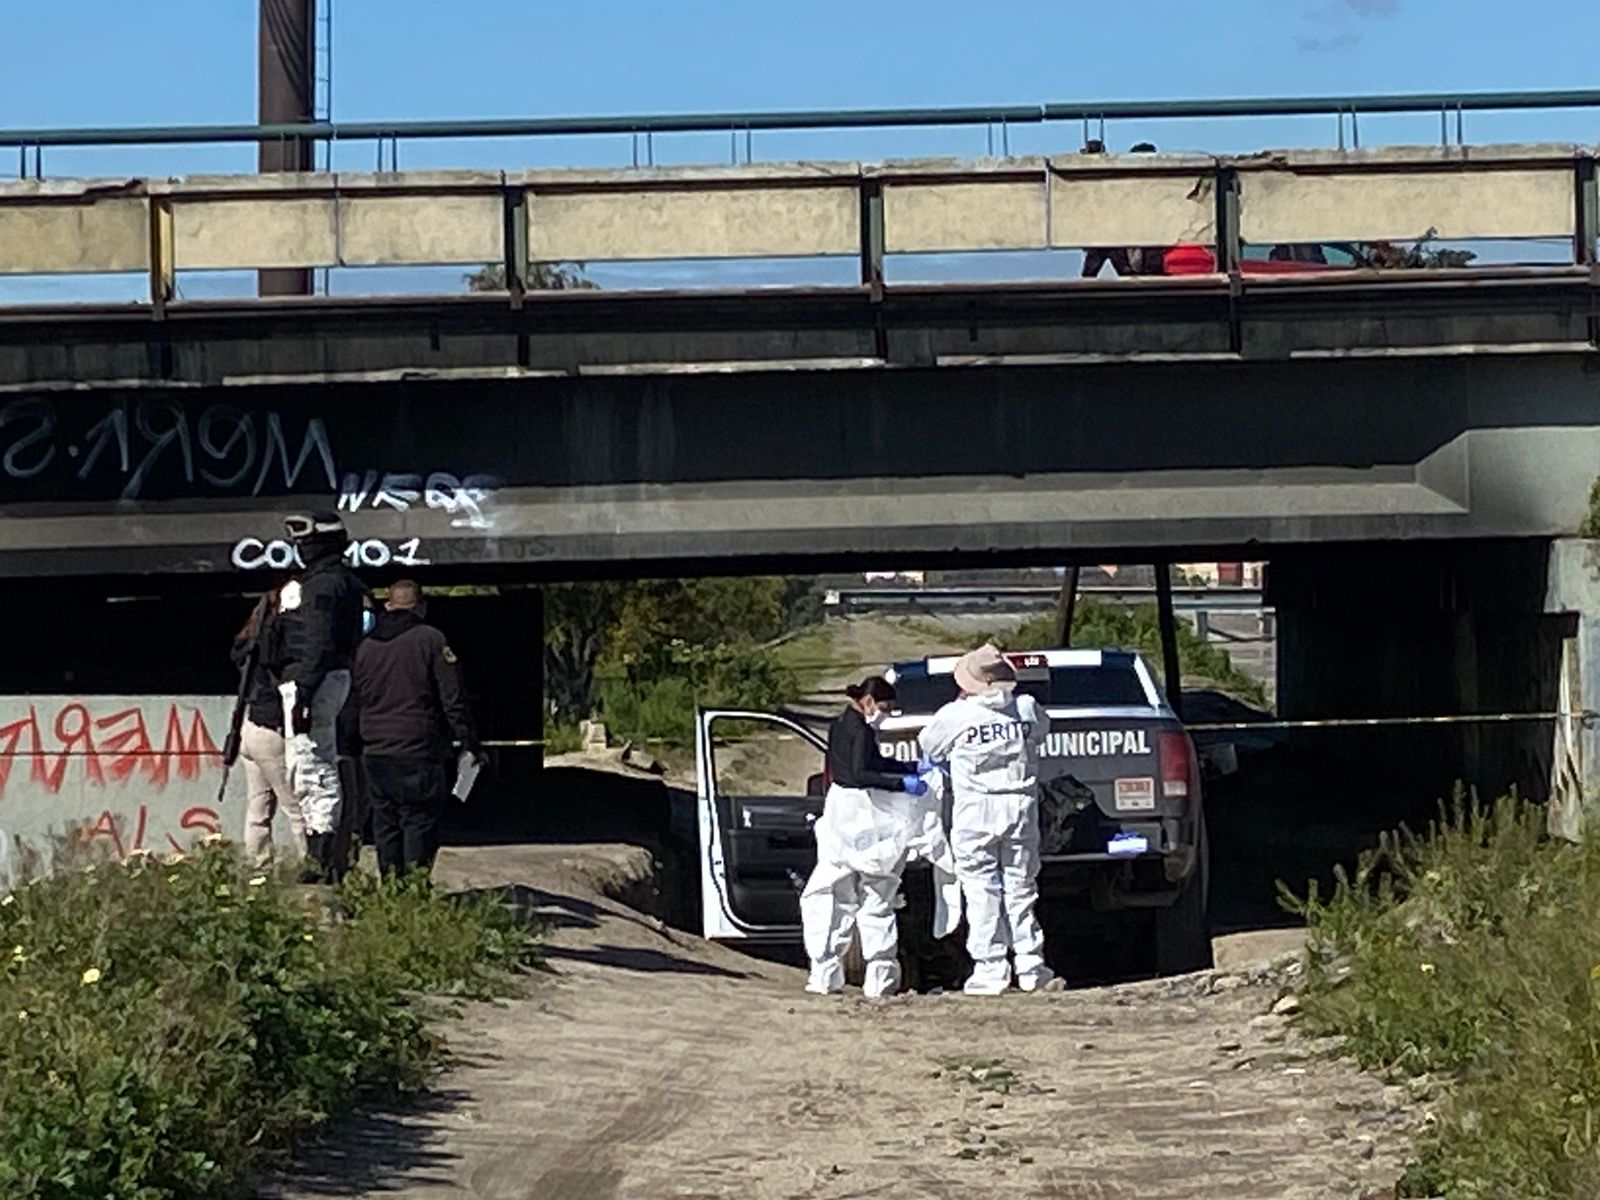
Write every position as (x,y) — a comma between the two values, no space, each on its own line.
(519,219)
(982,599)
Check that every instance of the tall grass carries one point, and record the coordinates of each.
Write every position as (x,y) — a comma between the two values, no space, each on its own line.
(167,1028)
(1472,954)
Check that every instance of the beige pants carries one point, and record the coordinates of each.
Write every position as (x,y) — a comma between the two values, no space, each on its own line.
(267,790)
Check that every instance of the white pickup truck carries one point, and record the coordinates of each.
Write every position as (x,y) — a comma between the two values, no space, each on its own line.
(1121,811)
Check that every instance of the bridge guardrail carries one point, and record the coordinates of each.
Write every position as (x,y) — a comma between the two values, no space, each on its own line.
(517,219)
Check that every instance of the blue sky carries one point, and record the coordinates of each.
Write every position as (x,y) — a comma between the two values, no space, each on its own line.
(105,62)
(130,62)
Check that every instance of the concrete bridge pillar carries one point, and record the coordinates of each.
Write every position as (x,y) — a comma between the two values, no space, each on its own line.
(1421,632)
(1574,590)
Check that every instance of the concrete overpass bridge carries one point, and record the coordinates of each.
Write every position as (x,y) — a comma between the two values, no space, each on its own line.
(1437,432)
(563,431)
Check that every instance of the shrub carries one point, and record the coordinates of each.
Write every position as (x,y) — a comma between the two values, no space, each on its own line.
(165,1028)
(656,697)
(1474,953)
(1098,624)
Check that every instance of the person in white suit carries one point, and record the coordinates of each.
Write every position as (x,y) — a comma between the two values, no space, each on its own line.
(990,738)
(871,822)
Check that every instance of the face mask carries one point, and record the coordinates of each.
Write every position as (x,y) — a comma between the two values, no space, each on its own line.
(875,721)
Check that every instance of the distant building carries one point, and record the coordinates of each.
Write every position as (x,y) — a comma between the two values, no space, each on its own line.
(1222,574)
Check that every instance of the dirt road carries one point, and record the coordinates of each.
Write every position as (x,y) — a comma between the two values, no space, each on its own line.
(647,1064)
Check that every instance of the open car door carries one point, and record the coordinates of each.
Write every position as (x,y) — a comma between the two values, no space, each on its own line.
(758,795)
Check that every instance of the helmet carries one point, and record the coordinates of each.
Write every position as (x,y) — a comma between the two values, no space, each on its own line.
(318,536)
(316,527)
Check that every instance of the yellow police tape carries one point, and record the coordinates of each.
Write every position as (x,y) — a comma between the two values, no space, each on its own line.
(1586,717)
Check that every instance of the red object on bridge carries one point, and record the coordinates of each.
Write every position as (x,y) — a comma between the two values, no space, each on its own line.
(1191,258)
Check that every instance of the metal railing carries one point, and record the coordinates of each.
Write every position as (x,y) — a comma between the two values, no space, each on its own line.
(1035,596)
(520,219)
(1450,106)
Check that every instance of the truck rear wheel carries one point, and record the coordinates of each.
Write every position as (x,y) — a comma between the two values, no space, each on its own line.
(1183,930)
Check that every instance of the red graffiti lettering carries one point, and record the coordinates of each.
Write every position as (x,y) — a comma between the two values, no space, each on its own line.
(190,751)
(196,820)
(106,826)
(111,826)
(130,745)
(124,746)
(74,734)
(203,819)
(10,737)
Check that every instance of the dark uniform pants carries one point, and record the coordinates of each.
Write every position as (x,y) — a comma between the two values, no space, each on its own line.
(408,795)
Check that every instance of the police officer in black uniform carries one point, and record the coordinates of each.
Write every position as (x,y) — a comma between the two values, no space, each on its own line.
(413,708)
(319,618)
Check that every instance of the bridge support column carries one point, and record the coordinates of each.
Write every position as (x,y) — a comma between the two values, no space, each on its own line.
(1574,590)
(1423,630)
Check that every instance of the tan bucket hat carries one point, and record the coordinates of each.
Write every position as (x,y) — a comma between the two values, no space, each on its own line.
(982,669)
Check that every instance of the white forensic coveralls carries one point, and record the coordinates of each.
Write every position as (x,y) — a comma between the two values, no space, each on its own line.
(863,839)
(991,743)
(931,844)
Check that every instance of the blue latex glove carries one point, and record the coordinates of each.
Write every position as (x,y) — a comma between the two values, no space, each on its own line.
(914,786)
(924,765)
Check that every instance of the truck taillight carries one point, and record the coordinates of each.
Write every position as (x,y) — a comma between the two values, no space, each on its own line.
(1178,765)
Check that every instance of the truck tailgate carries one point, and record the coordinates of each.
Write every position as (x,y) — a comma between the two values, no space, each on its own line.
(1102,774)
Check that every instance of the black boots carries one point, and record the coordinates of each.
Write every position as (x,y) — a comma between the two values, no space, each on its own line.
(317,866)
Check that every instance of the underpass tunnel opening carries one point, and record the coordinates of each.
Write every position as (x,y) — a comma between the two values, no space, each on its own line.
(100,637)
(1403,632)
(75,643)
(1458,651)
(1461,654)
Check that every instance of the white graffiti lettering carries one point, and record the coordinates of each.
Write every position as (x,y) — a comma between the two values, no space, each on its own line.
(226,448)
(464,500)
(253,554)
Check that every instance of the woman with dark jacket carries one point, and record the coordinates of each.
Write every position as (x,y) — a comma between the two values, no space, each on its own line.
(261,745)
(863,837)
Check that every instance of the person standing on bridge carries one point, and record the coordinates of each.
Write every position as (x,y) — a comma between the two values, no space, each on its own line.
(413,707)
(320,613)
(991,737)
(864,836)
(1124,260)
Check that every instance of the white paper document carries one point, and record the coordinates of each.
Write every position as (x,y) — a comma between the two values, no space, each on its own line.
(466,775)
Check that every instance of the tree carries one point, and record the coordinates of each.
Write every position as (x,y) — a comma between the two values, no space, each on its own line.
(542,277)
(578,622)
(697,612)
(695,635)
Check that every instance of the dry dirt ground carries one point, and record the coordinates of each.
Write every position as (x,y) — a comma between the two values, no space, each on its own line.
(647,1064)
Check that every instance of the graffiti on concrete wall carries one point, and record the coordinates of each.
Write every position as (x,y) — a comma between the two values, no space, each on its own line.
(466,501)
(118,773)
(137,448)
(223,448)
(254,554)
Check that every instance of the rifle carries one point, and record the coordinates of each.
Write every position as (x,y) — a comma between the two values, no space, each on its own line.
(248,656)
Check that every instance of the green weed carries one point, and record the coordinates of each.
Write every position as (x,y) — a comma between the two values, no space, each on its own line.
(1472,953)
(985,1074)
(167,1028)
